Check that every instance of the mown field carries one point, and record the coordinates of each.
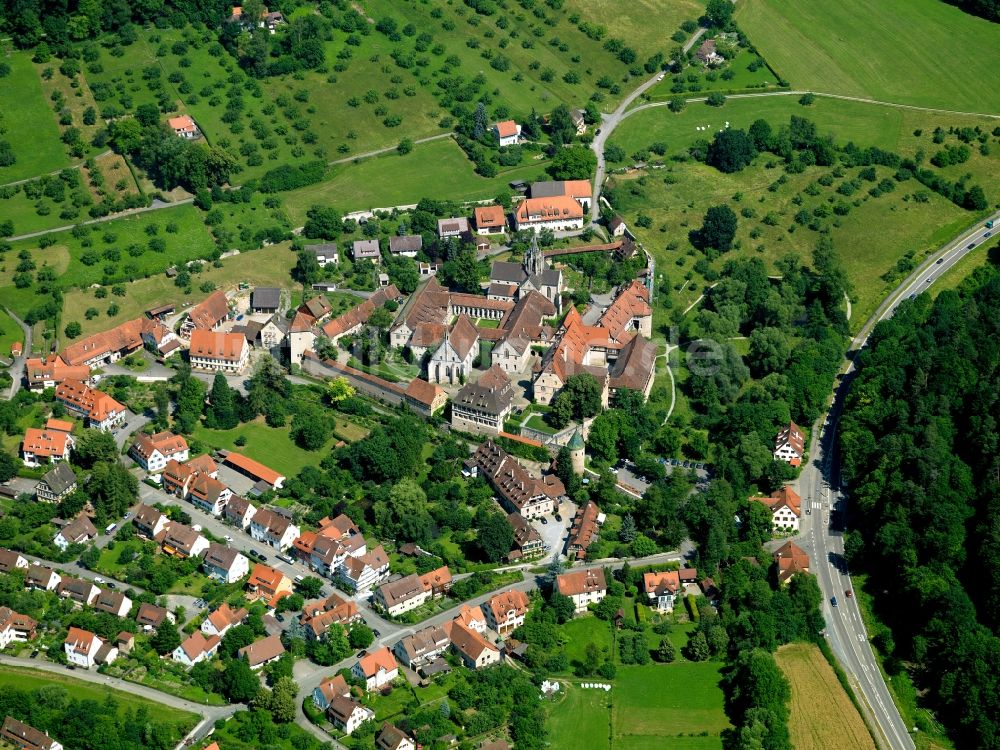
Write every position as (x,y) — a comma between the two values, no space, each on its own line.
(829,723)
(30,127)
(9,333)
(871,238)
(580,716)
(272,446)
(922,52)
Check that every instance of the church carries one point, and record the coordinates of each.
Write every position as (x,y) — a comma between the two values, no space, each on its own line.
(512,281)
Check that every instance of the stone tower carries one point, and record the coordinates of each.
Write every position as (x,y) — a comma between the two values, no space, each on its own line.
(534,260)
(576,451)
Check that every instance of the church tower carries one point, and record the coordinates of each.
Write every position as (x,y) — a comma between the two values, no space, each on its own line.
(576,450)
(534,260)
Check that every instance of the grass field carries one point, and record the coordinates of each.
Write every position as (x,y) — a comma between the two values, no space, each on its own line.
(271,446)
(394,180)
(647,24)
(9,333)
(905,51)
(827,724)
(31,679)
(581,715)
(268,266)
(657,701)
(30,127)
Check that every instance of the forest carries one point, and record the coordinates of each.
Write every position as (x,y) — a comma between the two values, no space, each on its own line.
(921,462)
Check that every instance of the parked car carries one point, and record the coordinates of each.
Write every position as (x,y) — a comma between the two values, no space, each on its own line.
(111,585)
(545,520)
(285,559)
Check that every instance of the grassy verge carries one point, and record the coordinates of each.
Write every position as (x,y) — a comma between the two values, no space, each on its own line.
(825,724)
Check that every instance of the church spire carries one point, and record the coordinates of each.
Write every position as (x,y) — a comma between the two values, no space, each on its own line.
(534,260)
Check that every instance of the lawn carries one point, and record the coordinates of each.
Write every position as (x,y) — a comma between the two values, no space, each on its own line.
(647,24)
(30,127)
(584,630)
(696,78)
(656,701)
(350,431)
(31,679)
(272,446)
(438,170)
(265,267)
(906,51)
(9,333)
(579,716)
(826,724)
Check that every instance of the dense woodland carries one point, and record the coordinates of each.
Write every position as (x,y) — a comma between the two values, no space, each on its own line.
(922,461)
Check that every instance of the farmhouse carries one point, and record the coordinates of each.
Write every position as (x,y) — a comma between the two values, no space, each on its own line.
(254,470)
(583,587)
(209,314)
(508,133)
(56,483)
(789,445)
(218,352)
(152,452)
(785,506)
(183,126)
(97,408)
(49,445)
(265,299)
(559,213)
(110,346)
(578,190)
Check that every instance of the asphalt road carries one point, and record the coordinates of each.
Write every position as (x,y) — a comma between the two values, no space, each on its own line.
(821,492)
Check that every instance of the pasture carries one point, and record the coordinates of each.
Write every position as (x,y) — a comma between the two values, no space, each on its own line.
(826,724)
(30,127)
(921,52)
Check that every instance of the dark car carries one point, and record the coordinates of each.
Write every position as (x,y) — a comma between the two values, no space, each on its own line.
(833,601)
(939,261)
(557,517)
(849,594)
(362,653)
(34,653)
(544,519)
(111,585)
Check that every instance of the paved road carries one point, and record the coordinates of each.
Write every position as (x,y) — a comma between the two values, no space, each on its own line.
(209,714)
(387,149)
(156,206)
(819,486)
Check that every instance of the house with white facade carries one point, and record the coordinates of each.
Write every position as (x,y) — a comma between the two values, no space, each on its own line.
(662,589)
(376,669)
(786,509)
(472,647)
(789,445)
(225,564)
(508,133)
(195,648)
(49,445)
(82,648)
(214,351)
(221,619)
(505,612)
(152,452)
(273,529)
(584,587)
(452,361)
(78,531)
(347,714)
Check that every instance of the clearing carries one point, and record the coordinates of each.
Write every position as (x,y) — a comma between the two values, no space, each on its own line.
(826,724)
(30,127)
(922,52)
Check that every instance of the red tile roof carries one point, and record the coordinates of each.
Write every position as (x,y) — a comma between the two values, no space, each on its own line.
(97,404)
(217,345)
(489,217)
(210,312)
(255,469)
(558,207)
(506,128)
(44,443)
(382,658)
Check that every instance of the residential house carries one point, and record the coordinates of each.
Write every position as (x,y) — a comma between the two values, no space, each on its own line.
(267,584)
(225,564)
(239,511)
(559,213)
(273,529)
(508,132)
(25,737)
(254,470)
(209,494)
(452,361)
(107,347)
(583,587)
(790,445)
(483,407)
(265,299)
(11,561)
(662,588)
(361,572)
(786,508)
(151,616)
(708,54)
(152,452)
(317,617)
(215,351)
(366,250)
(15,627)
(402,595)
(427,644)
(393,738)
(196,648)
(457,226)
(516,489)
(329,689)
(95,407)
(209,314)
(437,581)
(579,190)
(42,578)
(149,522)
(85,649)
(377,669)
(472,647)
(325,253)
(78,531)
(472,618)
(506,611)
(489,220)
(346,714)
(183,126)
(407,245)
(55,484)
(50,371)
(267,335)
(527,540)
(49,445)
(113,603)
(261,653)
(221,619)
(583,530)
(79,590)
(790,560)
(579,121)
(178,477)
(183,541)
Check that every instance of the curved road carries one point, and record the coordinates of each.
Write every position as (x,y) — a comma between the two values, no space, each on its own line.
(819,486)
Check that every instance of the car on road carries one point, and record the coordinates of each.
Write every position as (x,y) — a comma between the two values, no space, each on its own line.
(970,246)
(71,666)
(544,520)
(929,280)
(376,633)
(661,76)
(98,579)
(848,593)
(362,653)
(111,585)
(557,517)
(285,559)
(229,539)
(987,234)
(833,601)
(34,654)
(597,132)
(939,261)
(127,516)
(614,469)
